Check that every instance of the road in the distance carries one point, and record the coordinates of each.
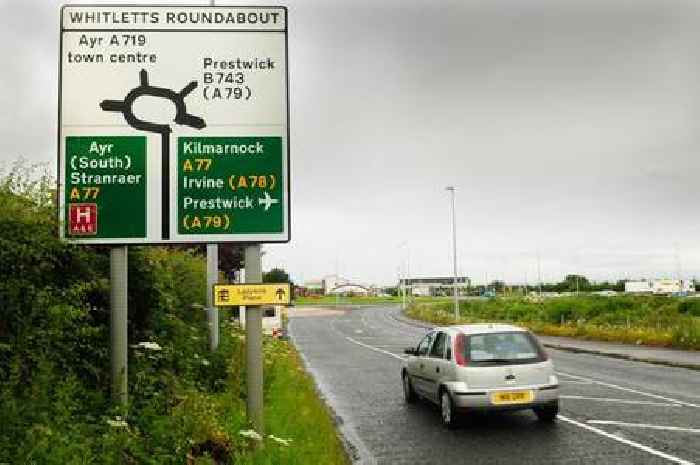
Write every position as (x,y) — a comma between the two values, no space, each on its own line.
(612,411)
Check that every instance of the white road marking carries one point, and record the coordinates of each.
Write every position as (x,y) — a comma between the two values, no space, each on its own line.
(621,401)
(644,425)
(635,391)
(634,444)
(374,348)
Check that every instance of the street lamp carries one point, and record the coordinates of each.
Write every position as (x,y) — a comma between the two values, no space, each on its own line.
(454,251)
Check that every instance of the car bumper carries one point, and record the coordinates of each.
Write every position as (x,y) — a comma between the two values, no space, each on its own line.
(481,399)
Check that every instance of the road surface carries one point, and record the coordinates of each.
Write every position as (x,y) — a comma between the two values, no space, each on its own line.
(612,411)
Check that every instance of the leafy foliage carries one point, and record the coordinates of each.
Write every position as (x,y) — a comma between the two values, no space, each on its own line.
(186,404)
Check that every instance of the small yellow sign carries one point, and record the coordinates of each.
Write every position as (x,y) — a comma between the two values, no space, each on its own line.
(251,294)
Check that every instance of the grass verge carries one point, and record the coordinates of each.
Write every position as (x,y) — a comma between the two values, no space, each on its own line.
(653,321)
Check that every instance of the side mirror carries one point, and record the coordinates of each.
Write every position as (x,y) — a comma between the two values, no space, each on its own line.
(410,351)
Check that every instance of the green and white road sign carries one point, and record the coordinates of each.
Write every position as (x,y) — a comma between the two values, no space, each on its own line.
(173,124)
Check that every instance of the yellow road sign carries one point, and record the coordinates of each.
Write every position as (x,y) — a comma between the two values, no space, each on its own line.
(251,294)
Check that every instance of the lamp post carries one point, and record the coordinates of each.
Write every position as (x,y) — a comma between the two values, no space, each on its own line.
(406,267)
(454,251)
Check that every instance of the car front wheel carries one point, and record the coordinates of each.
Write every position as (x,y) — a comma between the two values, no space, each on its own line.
(547,413)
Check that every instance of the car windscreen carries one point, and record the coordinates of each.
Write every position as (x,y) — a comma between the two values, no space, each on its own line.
(513,347)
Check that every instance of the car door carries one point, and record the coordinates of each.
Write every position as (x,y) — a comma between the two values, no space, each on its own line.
(435,368)
(416,365)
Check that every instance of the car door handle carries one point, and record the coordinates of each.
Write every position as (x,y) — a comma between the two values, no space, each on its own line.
(421,365)
(437,370)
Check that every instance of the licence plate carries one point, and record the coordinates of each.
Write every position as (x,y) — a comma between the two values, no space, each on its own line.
(511,397)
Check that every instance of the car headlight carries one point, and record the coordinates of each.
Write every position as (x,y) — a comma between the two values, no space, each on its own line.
(553,379)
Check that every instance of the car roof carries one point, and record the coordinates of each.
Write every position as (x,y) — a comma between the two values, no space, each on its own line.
(480,328)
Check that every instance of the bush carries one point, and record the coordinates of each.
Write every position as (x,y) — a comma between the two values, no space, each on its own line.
(186,404)
(653,320)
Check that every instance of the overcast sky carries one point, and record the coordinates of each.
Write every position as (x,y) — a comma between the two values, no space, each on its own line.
(571,131)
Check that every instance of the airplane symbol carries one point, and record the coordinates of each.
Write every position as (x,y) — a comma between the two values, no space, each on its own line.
(267,201)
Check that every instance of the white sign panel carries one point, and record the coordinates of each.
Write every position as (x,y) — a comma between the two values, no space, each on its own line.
(173,124)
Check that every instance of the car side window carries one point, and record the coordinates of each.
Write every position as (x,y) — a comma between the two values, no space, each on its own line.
(424,345)
(438,350)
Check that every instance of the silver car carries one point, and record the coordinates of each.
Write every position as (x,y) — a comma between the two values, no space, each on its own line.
(481,367)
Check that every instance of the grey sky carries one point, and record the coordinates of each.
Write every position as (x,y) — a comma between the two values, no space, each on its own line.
(569,128)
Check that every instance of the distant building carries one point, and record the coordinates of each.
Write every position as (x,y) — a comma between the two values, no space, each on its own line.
(336,285)
(435,286)
(350,289)
(660,287)
(310,288)
(672,286)
(638,287)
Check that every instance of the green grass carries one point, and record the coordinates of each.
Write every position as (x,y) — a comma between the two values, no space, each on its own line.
(655,321)
(293,410)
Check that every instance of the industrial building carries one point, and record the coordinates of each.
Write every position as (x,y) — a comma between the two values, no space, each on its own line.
(435,286)
(332,285)
(660,286)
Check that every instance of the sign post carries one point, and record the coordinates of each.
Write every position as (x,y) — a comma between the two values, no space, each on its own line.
(212,312)
(118,265)
(173,129)
(253,334)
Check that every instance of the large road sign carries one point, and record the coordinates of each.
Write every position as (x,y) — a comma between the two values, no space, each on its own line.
(251,294)
(173,124)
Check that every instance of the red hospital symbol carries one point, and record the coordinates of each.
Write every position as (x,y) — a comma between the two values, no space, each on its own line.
(83,219)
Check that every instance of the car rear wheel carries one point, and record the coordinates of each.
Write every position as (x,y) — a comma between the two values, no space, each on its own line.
(547,413)
(449,415)
(409,395)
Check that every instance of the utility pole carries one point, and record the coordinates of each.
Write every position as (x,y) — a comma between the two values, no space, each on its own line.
(253,333)
(539,273)
(118,310)
(451,189)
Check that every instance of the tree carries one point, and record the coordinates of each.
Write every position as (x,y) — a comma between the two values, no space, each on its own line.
(574,282)
(276,275)
(230,259)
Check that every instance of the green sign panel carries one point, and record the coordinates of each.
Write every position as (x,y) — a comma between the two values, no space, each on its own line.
(105,187)
(230,185)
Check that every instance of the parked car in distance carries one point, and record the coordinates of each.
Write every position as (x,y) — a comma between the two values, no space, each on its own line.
(481,367)
(272,321)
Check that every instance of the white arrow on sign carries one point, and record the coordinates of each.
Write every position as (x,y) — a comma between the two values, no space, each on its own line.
(267,201)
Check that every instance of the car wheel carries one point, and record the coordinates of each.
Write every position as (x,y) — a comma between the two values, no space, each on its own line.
(547,413)
(449,414)
(409,395)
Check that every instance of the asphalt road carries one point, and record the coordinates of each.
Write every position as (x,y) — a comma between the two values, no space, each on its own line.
(612,411)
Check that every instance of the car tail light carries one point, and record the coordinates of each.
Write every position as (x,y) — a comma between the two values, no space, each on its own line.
(460,352)
(544,355)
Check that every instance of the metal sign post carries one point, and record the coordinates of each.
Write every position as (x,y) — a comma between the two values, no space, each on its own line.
(212,312)
(118,274)
(253,332)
